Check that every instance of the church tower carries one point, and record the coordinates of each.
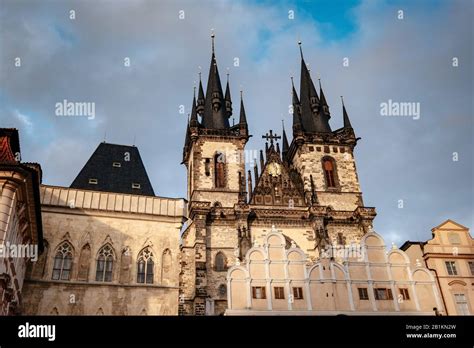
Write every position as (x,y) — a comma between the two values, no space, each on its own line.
(213,148)
(324,159)
(214,157)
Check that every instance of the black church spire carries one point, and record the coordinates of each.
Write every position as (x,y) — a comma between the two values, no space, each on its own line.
(215,115)
(345,116)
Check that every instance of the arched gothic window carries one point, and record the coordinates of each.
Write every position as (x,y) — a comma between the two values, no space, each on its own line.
(62,265)
(220,262)
(219,170)
(105,264)
(145,266)
(329,172)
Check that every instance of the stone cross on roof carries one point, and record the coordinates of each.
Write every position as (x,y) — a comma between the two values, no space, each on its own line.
(271,137)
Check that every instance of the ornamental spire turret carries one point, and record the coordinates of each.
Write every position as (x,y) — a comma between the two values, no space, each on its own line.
(345,116)
(201,100)
(243,117)
(285,146)
(215,114)
(193,122)
(297,128)
(228,99)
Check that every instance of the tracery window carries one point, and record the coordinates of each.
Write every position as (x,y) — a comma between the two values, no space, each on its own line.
(105,264)
(62,265)
(145,266)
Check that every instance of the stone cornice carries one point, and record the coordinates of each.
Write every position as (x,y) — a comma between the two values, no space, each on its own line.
(65,197)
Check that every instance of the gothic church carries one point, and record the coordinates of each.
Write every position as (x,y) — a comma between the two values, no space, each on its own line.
(308,188)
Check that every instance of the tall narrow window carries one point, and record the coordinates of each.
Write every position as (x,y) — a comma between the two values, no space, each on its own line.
(279,292)
(219,170)
(328,166)
(207,166)
(105,264)
(220,262)
(451,267)
(298,293)
(461,304)
(63,262)
(145,266)
(471,267)
(404,293)
(341,240)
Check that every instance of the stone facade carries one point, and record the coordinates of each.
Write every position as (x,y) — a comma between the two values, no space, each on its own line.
(88,221)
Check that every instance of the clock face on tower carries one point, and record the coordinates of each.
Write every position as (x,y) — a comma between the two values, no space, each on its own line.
(274,169)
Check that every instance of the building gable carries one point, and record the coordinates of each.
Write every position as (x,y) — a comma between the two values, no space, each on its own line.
(276,185)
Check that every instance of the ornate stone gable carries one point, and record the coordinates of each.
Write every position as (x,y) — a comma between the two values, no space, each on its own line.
(276,186)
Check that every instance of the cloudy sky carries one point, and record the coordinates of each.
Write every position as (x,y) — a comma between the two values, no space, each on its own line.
(425,57)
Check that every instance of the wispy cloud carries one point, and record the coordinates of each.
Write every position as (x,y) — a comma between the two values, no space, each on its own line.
(25,121)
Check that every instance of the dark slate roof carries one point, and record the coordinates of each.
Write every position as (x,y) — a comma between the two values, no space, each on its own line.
(100,166)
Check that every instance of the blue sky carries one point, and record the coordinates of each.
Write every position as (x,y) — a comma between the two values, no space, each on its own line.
(407,60)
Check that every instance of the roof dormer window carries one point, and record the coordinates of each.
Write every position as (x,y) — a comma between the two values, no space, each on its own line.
(93,181)
(117,164)
(136,186)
